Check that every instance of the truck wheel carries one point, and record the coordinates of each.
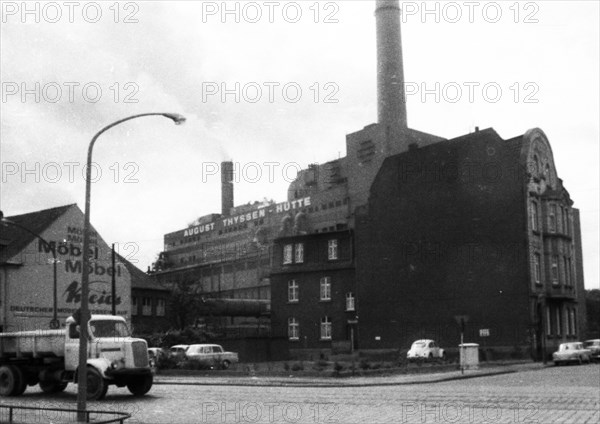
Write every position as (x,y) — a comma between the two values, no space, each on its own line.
(12,381)
(140,384)
(225,364)
(96,384)
(53,386)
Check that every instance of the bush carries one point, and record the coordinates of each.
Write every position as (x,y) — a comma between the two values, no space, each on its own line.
(376,366)
(286,366)
(298,366)
(364,364)
(166,363)
(337,367)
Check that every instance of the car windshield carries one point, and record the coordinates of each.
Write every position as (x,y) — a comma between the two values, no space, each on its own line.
(109,328)
(194,349)
(418,344)
(592,343)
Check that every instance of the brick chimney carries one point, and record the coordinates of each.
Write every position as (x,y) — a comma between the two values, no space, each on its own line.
(391,102)
(226,187)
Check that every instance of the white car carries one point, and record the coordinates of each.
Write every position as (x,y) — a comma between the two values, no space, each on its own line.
(571,352)
(425,349)
(212,355)
(177,352)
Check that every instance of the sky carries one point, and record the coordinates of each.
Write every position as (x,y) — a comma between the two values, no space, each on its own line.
(272,86)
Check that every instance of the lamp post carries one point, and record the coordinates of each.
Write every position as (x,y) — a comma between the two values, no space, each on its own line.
(54,322)
(83,334)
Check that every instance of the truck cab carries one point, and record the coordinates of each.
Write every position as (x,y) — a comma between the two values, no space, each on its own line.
(113,355)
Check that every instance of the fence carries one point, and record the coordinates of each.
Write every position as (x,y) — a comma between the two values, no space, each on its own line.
(11,414)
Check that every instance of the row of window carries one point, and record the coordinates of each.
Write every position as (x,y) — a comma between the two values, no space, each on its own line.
(558,218)
(560,270)
(294,253)
(324,293)
(559,323)
(161,305)
(294,328)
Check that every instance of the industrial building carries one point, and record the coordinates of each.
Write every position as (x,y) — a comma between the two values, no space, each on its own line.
(475,228)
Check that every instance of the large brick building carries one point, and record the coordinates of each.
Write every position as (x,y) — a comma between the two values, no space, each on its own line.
(476,226)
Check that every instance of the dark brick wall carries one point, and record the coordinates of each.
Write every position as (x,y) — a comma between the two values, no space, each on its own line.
(445,234)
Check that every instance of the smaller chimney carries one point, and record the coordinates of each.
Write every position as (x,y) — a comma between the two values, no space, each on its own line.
(226,188)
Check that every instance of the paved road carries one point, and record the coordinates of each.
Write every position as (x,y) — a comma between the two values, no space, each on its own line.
(553,395)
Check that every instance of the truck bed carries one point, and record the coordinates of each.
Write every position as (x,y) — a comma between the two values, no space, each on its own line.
(32,344)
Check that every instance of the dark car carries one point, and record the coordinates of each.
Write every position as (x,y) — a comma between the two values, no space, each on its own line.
(594,347)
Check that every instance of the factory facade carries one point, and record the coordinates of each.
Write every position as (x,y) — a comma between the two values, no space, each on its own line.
(427,232)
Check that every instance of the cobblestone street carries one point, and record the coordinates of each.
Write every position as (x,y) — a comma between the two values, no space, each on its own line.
(550,395)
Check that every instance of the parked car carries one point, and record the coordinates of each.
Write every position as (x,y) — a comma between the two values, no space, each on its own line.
(571,352)
(425,349)
(177,352)
(155,354)
(594,347)
(211,355)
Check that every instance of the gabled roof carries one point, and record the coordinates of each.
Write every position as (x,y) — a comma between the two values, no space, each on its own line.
(14,239)
(139,279)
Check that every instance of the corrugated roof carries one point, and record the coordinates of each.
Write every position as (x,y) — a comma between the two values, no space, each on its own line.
(15,239)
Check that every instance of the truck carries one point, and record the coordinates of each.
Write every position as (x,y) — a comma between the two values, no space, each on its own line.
(50,358)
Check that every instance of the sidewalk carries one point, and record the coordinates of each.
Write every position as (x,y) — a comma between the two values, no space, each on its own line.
(359,381)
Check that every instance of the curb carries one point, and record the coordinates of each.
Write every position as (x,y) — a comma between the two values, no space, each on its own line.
(260,383)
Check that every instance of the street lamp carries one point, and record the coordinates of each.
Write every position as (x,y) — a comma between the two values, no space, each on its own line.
(54,322)
(83,334)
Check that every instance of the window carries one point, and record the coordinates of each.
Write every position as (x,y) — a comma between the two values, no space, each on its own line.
(134,305)
(293,329)
(548,321)
(325,328)
(293,291)
(299,253)
(533,212)
(147,306)
(573,322)
(325,288)
(567,271)
(566,221)
(554,271)
(558,321)
(287,254)
(350,301)
(160,307)
(332,250)
(537,274)
(552,218)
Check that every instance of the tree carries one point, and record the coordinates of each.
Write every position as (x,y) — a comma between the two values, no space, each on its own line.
(184,302)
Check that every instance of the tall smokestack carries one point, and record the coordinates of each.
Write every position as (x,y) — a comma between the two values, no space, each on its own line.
(391,104)
(226,187)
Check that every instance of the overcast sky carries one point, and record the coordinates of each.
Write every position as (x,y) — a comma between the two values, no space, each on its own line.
(67,71)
